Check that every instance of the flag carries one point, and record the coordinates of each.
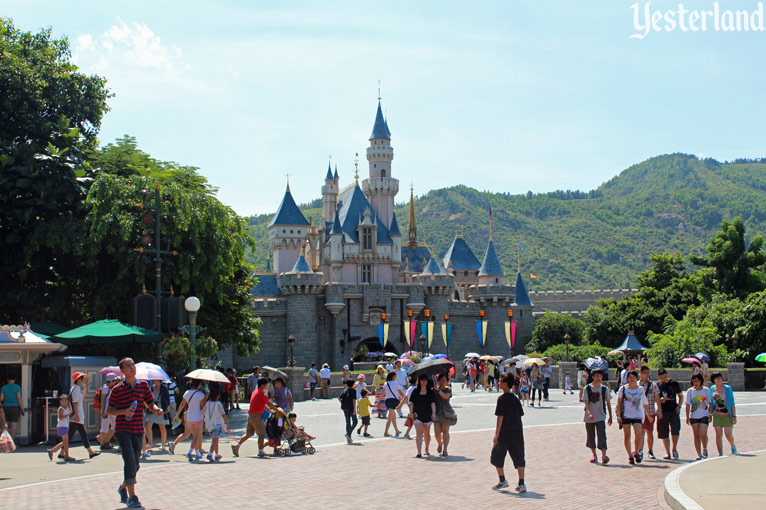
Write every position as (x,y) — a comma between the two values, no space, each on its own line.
(522,247)
(532,276)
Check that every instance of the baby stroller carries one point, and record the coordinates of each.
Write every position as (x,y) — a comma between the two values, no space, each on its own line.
(285,437)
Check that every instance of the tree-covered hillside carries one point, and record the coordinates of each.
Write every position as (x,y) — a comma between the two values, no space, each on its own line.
(588,240)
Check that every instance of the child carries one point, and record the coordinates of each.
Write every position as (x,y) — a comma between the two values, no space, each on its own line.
(215,419)
(302,434)
(509,435)
(568,384)
(364,413)
(524,388)
(347,401)
(62,429)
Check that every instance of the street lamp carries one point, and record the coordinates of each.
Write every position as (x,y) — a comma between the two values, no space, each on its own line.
(291,341)
(422,344)
(567,338)
(192,305)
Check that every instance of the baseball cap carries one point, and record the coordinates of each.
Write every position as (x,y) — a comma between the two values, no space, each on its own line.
(345,367)
(77,375)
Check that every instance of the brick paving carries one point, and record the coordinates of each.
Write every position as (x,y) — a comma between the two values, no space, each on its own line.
(384,473)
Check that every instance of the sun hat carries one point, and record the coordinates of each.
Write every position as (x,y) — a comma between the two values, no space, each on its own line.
(111,377)
(345,367)
(77,375)
(362,377)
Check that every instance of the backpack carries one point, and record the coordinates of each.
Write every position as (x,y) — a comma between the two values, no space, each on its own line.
(603,395)
(97,399)
(347,400)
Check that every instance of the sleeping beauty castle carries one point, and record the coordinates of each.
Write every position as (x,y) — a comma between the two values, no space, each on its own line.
(355,280)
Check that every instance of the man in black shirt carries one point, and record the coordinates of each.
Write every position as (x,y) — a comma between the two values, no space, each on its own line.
(668,419)
(509,434)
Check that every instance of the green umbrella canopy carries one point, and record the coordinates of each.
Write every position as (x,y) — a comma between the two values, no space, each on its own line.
(108,331)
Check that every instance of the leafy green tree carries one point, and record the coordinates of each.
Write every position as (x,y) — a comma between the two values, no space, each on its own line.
(731,263)
(49,116)
(550,330)
(684,339)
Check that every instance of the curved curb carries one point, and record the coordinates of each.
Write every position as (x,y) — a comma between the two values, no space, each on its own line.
(676,498)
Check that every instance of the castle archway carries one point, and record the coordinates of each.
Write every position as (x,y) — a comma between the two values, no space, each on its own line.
(373,345)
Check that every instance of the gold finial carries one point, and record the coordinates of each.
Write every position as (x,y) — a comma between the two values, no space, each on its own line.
(143,288)
(356,168)
(288,182)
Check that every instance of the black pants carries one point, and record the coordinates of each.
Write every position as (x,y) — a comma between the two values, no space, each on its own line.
(546,383)
(225,400)
(130,447)
(511,443)
(539,394)
(351,422)
(75,428)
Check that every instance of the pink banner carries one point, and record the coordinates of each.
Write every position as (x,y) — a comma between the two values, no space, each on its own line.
(513,334)
(413,332)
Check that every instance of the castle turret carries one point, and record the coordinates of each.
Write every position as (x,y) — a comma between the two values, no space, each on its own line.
(412,229)
(330,194)
(396,251)
(491,271)
(286,232)
(380,188)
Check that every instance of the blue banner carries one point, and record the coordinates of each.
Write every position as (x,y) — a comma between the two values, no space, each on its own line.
(478,332)
(380,334)
(449,333)
(424,328)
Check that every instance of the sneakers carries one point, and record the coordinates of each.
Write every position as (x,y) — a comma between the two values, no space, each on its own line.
(605,460)
(134,502)
(235,450)
(632,461)
(675,454)
(210,457)
(521,488)
(407,436)
(637,456)
(667,457)
(500,485)
(123,492)
(734,450)
(146,455)
(261,453)
(594,460)
(199,455)
(704,453)
(172,448)
(218,458)
(348,438)
(190,457)
(651,454)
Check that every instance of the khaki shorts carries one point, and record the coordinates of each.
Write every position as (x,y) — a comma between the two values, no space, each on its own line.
(255,425)
(107,423)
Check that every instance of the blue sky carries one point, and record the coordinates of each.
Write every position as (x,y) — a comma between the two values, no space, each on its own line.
(506,96)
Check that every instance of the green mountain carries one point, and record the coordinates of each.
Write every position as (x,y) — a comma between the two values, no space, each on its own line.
(587,240)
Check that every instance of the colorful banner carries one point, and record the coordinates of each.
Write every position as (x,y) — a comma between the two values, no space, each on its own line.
(484,325)
(430,335)
(508,334)
(407,332)
(385,333)
(380,335)
(424,329)
(513,335)
(479,332)
(413,332)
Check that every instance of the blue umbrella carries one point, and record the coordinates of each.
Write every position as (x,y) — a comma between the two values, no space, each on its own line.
(439,356)
(702,356)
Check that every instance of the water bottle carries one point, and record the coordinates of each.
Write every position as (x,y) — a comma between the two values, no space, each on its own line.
(133,407)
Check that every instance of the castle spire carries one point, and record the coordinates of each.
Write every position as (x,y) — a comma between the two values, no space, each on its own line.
(413,229)
(328,177)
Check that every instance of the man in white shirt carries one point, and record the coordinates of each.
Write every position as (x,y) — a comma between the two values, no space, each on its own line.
(324,375)
(401,377)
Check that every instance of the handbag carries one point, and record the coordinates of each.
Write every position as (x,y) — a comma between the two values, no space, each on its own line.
(392,398)
(6,443)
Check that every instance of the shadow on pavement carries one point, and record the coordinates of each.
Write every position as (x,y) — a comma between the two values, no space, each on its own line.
(451,458)
(525,495)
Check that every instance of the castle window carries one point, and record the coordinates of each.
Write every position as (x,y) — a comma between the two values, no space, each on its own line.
(291,231)
(382,173)
(366,273)
(465,273)
(367,239)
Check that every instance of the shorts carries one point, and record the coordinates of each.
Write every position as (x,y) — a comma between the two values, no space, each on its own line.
(722,420)
(191,424)
(705,420)
(648,425)
(525,390)
(313,387)
(217,431)
(512,443)
(366,420)
(632,421)
(392,403)
(429,423)
(670,423)
(62,431)
(256,425)
(593,430)
(12,414)
(107,424)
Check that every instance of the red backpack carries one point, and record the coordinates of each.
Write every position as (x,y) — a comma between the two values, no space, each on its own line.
(97,399)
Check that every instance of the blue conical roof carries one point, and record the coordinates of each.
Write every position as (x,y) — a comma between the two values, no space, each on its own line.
(461,256)
(631,343)
(433,268)
(491,265)
(328,177)
(380,129)
(336,228)
(522,296)
(393,230)
(288,212)
(268,264)
(336,172)
(301,266)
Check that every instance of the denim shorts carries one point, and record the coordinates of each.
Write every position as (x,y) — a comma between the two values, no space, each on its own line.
(217,431)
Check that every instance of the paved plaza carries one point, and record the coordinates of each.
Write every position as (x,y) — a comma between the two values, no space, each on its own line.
(379,472)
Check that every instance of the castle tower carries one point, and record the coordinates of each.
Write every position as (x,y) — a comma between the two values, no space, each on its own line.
(330,194)
(491,271)
(396,250)
(286,233)
(380,188)
(412,233)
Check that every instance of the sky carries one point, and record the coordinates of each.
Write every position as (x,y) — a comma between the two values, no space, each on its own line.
(504,96)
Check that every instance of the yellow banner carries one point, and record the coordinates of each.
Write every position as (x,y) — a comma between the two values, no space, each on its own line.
(385,334)
(430,333)
(508,332)
(444,333)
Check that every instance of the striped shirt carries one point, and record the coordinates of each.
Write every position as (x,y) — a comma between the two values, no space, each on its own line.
(122,397)
(651,389)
